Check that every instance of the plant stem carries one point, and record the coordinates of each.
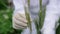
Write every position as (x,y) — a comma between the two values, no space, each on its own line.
(41,15)
(28,15)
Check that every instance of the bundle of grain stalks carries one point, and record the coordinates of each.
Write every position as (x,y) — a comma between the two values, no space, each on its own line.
(39,20)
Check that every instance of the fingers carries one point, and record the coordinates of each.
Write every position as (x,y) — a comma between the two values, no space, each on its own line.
(20,17)
(18,27)
(19,21)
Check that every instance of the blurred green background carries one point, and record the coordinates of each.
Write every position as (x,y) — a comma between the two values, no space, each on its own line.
(6,12)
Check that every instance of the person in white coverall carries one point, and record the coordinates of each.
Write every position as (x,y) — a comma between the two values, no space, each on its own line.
(51,18)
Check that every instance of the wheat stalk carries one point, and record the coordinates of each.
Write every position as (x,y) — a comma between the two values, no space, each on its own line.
(28,15)
(39,21)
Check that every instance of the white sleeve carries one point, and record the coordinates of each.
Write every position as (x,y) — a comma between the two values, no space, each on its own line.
(52,16)
(19,6)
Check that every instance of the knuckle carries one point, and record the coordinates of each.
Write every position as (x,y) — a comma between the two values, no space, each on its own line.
(21,24)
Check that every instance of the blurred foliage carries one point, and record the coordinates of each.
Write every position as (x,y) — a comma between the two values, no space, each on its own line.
(58,29)
(6,19)
(3,4)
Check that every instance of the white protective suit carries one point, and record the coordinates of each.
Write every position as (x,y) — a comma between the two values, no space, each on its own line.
(52,15)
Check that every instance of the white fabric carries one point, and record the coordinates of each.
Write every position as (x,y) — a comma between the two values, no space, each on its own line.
(19,6)
(52,14)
